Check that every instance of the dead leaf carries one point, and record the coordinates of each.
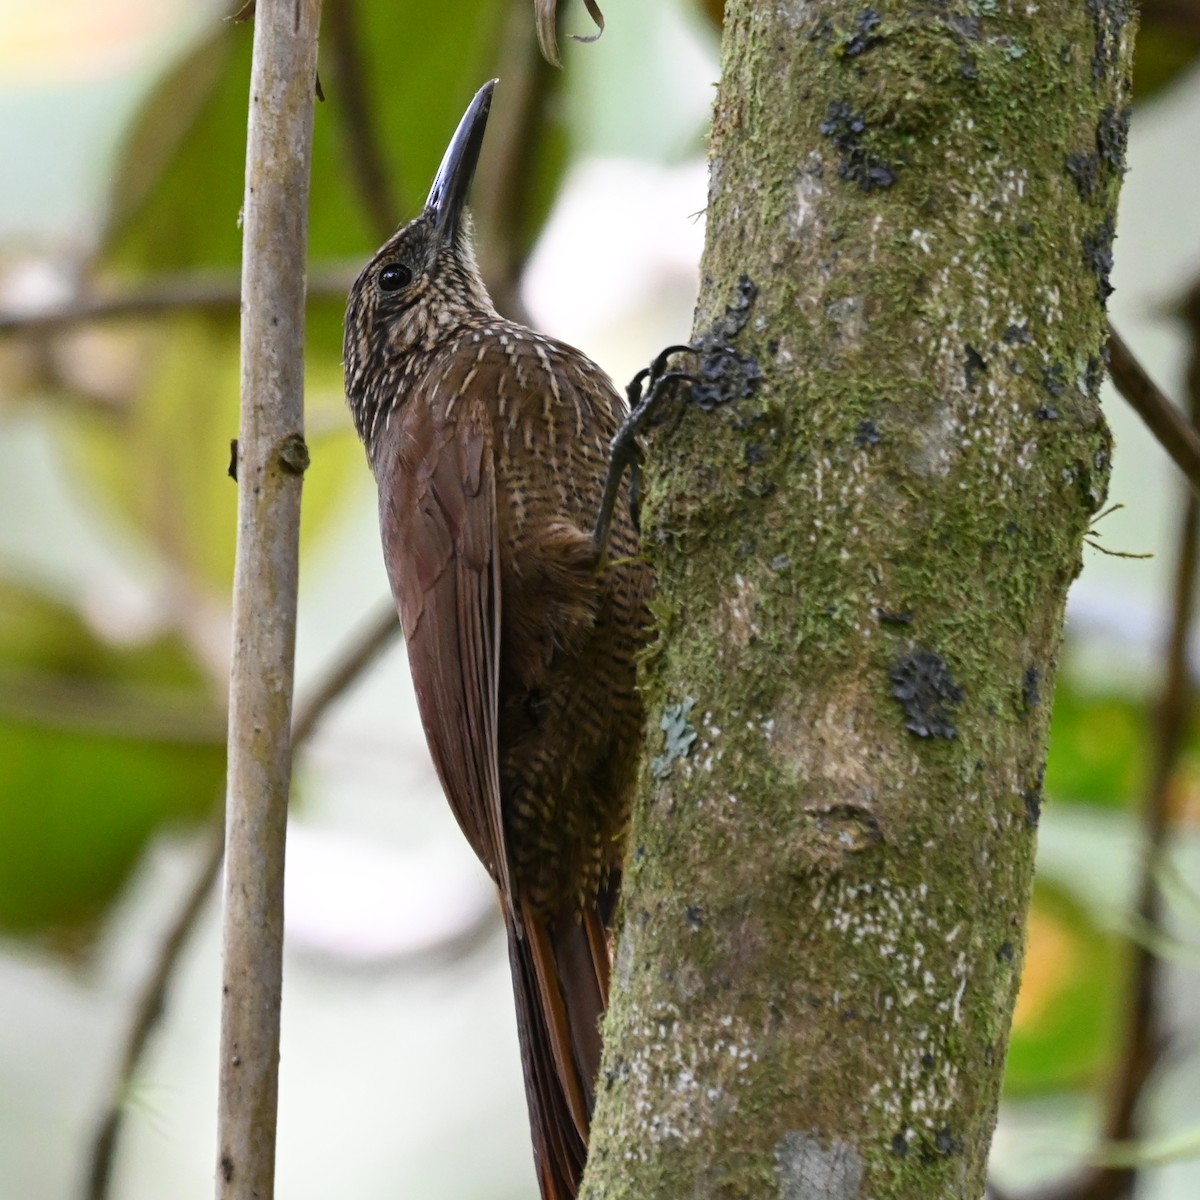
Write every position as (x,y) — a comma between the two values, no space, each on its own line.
(545,15)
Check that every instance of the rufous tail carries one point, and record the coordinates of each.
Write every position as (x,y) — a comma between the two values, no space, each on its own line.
(560,971)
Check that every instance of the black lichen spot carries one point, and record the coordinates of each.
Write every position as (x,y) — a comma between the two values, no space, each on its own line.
(1031,688)
(864,33)
(1054,379)
(695,915)
(754,454)
(900,1144)
(922,682)
(893,618)
(1006,953)
(1018,335)
(725,374)
(1094,170)
(1098,254)
(1046,412)
(1109,18)
(974,365)
(867,434)
(927,1060)
(845,128)
(1112,135)
(1084,169)
(226,1168)
(1094,376)
(737,314)
(1033,801)
(968,65)
(946,1142)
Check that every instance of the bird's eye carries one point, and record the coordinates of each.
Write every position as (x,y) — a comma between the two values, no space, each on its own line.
(394,276)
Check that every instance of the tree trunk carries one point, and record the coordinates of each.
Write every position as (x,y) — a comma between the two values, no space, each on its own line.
(865,524)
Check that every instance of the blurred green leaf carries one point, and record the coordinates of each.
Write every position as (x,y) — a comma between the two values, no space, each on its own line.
(1098,746)
(101,745)
(1066,1011)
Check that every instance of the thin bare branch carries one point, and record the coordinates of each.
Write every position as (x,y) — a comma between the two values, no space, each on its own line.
(272,458)
(147,1009)
(1176,435)
(346,669)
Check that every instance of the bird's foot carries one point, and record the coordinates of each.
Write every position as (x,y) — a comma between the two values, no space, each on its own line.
(647,391)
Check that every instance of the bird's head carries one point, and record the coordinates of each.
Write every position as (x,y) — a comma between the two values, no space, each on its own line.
(421,285)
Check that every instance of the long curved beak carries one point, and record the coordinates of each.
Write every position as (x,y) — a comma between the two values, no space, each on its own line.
(452,183)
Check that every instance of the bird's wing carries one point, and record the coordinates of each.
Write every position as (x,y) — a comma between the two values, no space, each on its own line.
(437,508)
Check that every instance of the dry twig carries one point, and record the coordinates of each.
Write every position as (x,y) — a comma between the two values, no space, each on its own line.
(1176,435)
(272,458)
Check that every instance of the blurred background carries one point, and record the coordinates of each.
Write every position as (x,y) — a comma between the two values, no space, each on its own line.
(122,128)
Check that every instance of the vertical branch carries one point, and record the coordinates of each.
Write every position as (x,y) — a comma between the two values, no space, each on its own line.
(1142,1044)
(271,460)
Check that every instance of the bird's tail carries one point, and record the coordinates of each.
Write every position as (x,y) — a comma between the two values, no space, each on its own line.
(560,973)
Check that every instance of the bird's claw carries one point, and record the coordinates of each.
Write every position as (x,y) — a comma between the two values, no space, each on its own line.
(646,391)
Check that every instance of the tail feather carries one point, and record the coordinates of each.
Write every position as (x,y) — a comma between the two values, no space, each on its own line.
(560,975)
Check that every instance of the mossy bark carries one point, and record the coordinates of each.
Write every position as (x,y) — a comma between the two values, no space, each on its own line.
(865,523)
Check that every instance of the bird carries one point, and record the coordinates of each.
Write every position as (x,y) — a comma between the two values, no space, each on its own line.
(523,609)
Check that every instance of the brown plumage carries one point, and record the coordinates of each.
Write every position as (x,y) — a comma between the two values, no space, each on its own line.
(490,447)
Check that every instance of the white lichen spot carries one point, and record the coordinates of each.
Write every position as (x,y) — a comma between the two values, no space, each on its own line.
(897,924)
(810,194)
(693,1075)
